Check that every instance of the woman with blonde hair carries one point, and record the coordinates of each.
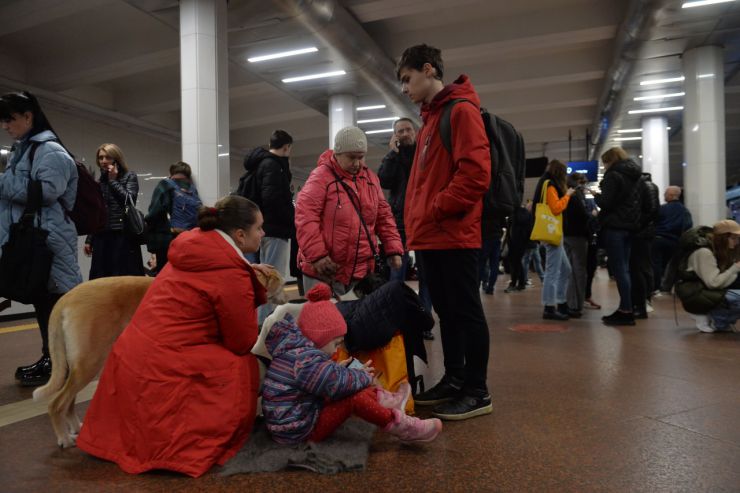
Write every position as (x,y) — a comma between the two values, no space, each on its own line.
(619,217)
(557,266)
(114,251)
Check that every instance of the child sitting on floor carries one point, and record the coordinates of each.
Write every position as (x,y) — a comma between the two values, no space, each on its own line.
(306,395)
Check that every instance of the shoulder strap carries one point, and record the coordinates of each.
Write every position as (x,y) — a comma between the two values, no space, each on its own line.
(445,125)
(34,193)
(352,196)
(543,195)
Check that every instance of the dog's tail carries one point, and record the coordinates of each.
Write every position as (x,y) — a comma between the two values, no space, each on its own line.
(58,351)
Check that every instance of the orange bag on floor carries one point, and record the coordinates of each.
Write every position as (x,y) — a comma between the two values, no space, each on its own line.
(389,363)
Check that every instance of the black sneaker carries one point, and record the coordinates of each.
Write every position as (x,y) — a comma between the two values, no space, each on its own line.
(619,318)
(465,407)
(447,389)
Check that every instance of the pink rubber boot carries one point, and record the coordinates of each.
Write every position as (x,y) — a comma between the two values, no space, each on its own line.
(394,400)
(410,429)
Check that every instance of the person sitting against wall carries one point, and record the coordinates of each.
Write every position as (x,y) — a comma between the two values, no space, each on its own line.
(179,389)
(114,251)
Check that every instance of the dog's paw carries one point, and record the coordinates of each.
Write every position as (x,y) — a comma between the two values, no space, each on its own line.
(68,441)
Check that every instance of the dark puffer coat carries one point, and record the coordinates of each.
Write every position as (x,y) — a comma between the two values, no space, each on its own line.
(394,174)
(276,201)
(619,200)
(374,319)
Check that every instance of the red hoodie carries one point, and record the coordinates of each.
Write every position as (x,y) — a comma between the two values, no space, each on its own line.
(444,194)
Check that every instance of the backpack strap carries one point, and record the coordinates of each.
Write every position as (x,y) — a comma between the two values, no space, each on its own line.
(445,125)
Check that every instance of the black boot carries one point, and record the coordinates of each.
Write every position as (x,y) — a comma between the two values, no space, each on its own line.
(551,314)
(30,368)
(619,318)
(38,376)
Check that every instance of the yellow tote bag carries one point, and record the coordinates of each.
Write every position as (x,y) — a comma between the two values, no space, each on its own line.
(547,226)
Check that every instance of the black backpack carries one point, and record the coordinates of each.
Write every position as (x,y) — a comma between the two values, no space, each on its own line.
(89,212)
(249,187)
(506,189)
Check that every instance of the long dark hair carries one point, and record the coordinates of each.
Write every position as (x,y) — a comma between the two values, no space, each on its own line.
(229,213)
(725,256)
(558,172)
(21,102)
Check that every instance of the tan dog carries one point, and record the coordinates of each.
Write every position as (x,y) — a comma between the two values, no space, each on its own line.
(84,325)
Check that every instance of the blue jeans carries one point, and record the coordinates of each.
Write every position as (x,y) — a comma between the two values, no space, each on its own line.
(724,316)
(529,255)
(618,243)
(491,253)
(557,276)
(275,252)
(400,274)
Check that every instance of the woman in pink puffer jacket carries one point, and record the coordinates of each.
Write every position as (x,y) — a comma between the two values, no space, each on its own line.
(333,243)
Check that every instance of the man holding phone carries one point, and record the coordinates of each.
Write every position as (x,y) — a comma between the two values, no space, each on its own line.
(394,175)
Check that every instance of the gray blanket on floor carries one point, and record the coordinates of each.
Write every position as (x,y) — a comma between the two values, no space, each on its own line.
(346,450)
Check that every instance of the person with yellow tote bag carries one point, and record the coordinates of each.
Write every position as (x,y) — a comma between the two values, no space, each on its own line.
(552,197)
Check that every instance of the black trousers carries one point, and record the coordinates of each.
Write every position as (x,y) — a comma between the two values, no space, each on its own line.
(641,272)
(592,263)
(516,270)
(452,277)
(43,307)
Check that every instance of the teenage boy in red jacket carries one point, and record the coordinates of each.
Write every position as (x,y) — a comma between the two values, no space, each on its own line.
(443,225)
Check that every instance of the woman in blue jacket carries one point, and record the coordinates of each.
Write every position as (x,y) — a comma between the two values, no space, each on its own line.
(22,117)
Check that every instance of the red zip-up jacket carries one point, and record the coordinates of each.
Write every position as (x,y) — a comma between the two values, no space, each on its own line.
(444,194)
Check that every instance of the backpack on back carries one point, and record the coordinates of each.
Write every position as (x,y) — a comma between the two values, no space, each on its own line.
(89,212)
(185,205)
(505,191)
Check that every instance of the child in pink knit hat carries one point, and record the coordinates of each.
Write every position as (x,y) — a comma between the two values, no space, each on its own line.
(306,395)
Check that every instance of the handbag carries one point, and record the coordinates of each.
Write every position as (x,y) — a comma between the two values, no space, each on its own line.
(134,223)
(548,227)
(25,264)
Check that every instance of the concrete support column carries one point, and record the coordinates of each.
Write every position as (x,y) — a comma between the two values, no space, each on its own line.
(655,150)
(704,134)
(342,113)
(205,95)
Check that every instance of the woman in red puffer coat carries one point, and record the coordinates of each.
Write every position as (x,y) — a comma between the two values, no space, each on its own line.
(179,389)
(333,243)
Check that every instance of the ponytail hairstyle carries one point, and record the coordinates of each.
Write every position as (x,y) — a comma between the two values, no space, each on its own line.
(21,102)
(229,213)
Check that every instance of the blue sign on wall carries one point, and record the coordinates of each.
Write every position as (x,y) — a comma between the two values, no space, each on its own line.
(588,168)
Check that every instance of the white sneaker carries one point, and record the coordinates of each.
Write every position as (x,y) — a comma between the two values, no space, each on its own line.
(649,307)
(703,323)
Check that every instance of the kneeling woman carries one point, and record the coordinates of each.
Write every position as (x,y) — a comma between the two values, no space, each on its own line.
(179,389)
(717,266)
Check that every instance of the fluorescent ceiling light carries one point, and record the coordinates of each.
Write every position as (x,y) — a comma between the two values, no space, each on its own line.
(660,97)
(662,81)
(387,130)
(283,54)
(630,131)
(621,139)
(156,178)
(314,76)
(4,151)
(375,120)
(367,108)
(656,110)
(224,154)
(702,3)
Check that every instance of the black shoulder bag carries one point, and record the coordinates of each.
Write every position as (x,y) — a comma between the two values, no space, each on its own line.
(379,276)
(26,259)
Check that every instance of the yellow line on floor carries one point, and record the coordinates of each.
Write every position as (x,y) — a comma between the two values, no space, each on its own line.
(23,410)
(18,328)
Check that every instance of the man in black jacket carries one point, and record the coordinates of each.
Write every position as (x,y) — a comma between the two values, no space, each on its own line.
(641,265)
(272,193)
(394,174)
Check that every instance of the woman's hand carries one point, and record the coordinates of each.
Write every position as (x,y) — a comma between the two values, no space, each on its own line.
(112,171)
(265,269)
(395,262)
(570,192)
(325,267)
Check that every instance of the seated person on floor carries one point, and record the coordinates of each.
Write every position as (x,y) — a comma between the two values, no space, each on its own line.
(306,396)
(707,274)
(179,388)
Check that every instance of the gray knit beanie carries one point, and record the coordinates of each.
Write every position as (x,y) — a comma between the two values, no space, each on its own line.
(350,139)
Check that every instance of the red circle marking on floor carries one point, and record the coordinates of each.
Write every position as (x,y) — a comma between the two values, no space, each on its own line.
(539,328)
